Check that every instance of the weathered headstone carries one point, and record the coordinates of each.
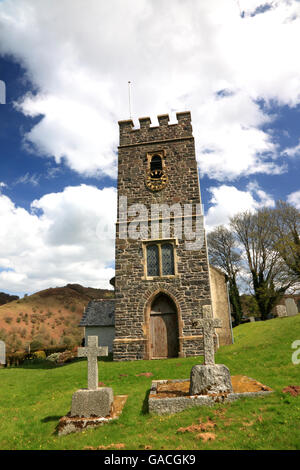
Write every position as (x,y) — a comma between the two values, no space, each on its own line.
(209,378)
(208,325)
(93,401)
(280,311)
(291,307)
(252,319)
(2,353)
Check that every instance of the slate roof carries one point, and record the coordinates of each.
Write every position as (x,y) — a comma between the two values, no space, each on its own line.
(99,313)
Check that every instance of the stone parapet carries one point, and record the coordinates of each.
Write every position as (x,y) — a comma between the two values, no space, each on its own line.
(165,131)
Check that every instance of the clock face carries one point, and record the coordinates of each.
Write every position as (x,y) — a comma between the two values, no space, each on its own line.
(156,180)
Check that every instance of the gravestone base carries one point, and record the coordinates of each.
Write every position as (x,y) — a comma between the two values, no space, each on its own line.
(97,403)
(210,379)
(173,396)
(68,424)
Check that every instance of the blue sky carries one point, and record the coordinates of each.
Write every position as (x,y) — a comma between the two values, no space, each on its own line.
(66,67)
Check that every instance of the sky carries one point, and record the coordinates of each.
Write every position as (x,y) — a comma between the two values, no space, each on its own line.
(66,66)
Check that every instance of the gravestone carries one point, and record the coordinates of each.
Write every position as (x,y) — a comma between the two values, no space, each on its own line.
(280,311)
(93,401)
(2,353)
(291,307)
(209,378)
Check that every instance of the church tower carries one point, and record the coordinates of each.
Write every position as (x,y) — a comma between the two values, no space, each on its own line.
(162,277)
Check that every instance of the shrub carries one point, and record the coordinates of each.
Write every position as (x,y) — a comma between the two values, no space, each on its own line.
(39,355)
(16,358)
(3,334)
(67,356)
(36,345)
(62,357)
(54,349)
(53,357)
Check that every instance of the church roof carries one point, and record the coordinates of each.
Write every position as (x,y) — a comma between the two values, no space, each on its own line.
(99,313)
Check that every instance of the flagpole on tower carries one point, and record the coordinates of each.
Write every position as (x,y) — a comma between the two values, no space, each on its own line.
(129,97)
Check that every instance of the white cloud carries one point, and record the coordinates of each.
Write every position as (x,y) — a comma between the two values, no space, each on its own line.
(227,201)
(57,242)
(229,143)
(292,151)
(28,179)
(294,199)
(178,56)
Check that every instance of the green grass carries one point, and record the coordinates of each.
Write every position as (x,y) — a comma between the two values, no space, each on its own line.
(32,399)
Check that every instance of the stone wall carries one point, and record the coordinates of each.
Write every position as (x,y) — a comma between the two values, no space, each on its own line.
(105,335)
(220,304)
(189,288)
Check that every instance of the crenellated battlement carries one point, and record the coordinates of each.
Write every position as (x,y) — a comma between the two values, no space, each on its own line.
(164,131)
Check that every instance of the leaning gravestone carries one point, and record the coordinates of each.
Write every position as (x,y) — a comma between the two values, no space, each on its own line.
(2,353)
(280,311)
(209,378)
(291,307)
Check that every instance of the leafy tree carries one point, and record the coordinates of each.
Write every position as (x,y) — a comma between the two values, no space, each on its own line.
(249,305)
(35,345)
(224,253)
(286,234)
(270,275)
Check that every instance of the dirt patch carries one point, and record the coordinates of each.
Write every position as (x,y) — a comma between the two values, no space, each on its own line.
(191,428)
(117,406)
(293,390)
(206,436)
(173,389)
(146,374)
(240,384)
(109,446)
(198,427)
(243,384)
(205,429)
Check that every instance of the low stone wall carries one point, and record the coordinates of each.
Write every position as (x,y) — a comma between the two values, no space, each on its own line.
(175,405)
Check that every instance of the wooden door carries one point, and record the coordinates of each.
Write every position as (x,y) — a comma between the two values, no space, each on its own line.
(163,328)
(164,335)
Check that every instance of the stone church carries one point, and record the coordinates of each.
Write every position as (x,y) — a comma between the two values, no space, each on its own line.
(162,276)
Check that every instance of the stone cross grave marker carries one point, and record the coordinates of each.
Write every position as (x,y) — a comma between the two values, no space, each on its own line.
(92,352)
(2,352)
(208,324)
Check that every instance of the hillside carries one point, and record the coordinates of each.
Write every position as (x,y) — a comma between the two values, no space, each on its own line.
(49,317)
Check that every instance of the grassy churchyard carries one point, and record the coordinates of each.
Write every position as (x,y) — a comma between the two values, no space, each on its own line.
(34,397)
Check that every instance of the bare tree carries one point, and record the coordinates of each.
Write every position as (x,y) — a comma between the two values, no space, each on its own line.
(270,275)
(223,253)
(286,231)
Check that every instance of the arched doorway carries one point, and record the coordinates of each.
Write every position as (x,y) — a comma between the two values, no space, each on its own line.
(163,328)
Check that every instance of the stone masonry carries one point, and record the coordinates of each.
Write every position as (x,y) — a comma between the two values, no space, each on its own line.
(189,287)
